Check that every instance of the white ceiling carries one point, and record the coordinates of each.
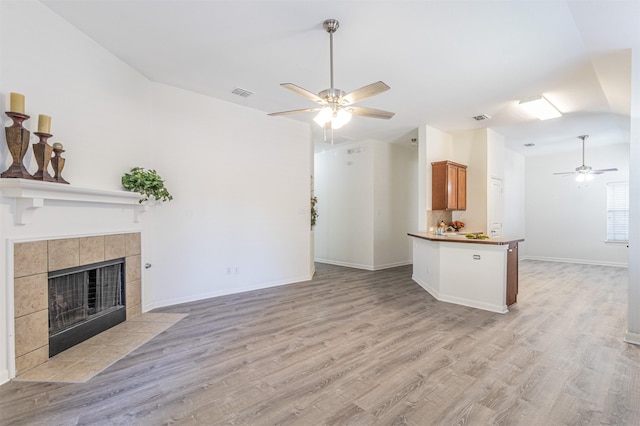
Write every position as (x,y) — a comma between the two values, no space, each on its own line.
(445,60)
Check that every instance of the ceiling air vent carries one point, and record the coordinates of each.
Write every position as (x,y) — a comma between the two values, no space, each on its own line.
(481,117)
(529,144)
(241,92)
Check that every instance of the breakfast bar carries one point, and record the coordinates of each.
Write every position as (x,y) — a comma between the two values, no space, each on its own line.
(480,273)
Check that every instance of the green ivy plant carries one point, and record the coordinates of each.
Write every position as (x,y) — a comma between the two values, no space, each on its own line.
(146,182)
(314,212)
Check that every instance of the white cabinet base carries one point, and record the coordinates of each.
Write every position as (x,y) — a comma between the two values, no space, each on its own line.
(465,274)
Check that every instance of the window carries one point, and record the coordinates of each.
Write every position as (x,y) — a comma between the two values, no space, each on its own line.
(618,212)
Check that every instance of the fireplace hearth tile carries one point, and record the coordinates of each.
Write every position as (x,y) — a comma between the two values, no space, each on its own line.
(64,253)
(152,327)
(133,268)
(78,372)
(133,311)
(30,294)
(153,317)
(114,246)
(32,359)
(48,369)
(106,338)
(29,258)
(91,250)
(119,341)
(133,340)
(38,336)
(81,352)
(133,290)
(132,244)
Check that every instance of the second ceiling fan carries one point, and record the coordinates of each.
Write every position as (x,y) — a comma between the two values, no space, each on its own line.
(335,106)
(584,172)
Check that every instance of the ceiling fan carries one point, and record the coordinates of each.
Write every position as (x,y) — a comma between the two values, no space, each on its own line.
(584,172)
(335,106)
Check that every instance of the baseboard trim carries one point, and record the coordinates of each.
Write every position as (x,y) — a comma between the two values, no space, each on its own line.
(432,291)
(578,261)
(460,301)
(4,376)
(365,267)
(633,338)
(179,300)
(345,264)
(475,304)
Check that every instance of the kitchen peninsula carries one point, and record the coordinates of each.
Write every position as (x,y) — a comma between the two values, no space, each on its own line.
(478,273)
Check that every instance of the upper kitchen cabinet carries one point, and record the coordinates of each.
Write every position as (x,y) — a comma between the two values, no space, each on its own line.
(448,186)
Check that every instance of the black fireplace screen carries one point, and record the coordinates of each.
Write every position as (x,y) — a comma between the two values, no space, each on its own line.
(79,294)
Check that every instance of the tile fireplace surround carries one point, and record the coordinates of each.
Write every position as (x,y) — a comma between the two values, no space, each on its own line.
(32,262)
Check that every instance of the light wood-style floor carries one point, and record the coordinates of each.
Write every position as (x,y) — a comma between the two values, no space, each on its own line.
(369,348)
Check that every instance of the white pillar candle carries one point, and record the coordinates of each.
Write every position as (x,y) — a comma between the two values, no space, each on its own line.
(44,124)
(16,102)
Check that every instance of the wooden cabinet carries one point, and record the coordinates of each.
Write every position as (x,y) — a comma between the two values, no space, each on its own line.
(448,186)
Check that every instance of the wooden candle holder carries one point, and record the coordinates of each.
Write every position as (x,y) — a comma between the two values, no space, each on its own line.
(42,152)
(18,144)
(58,164)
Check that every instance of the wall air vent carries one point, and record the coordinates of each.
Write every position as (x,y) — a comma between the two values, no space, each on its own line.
(241,92)
(481,117)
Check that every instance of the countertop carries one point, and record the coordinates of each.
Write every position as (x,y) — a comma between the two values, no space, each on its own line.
(462,239)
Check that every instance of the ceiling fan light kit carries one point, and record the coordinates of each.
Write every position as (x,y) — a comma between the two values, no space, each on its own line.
(335,106)
(584,177)
(585,173)
(540,107)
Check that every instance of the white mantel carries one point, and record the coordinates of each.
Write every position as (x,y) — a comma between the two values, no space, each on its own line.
(32,194)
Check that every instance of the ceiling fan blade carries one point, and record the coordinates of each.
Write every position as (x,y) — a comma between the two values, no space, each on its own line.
(605,170)
(294,111)
(304,92)
(371,112)
(565,173)
(364,93)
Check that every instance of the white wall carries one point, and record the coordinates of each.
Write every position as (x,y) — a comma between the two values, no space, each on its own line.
(367,198)
(99,106)
(566,221)
(470,149)
(344,187)
(496,155)
(240,179)
(241,183)
(633,322)
(514,196)
(395,203)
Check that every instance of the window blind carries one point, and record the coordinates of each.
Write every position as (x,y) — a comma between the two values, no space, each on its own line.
(618,212)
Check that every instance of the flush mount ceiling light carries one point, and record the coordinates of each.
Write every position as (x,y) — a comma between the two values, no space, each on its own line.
(540,107)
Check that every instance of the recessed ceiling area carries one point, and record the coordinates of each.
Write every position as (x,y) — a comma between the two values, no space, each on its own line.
(446,62)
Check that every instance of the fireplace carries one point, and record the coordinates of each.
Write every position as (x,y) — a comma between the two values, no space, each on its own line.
(84,301)
(36,262)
